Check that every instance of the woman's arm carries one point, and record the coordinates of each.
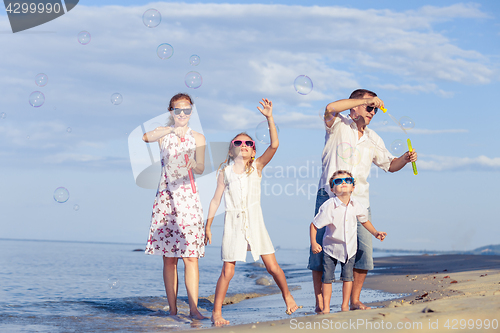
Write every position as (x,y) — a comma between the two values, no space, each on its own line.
(156,134)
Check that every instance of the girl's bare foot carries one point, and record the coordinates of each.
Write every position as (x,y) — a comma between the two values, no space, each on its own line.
(291,306)
(172,312)
(344,308)
(197,315)
(318,309)
(218,320)
(324,312)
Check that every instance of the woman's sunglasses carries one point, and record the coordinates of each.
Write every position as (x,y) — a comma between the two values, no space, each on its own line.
(187,111)
(339,181)
(371,108)
(248,143)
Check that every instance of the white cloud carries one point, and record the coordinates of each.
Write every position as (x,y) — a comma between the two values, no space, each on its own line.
(443,163)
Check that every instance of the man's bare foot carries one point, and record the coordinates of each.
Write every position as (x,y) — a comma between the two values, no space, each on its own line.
(344,308)
(359,306)
(197,315)
(218,320)
(291,306)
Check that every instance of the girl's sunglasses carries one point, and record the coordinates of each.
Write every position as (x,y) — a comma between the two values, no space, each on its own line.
(187,111)
(371,108)
(248,143)
(339,181)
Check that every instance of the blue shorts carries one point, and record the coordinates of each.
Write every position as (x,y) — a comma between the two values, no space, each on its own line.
(364,254)
(329,264)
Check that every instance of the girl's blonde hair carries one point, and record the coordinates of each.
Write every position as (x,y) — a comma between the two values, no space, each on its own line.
(229,158)
(174,99)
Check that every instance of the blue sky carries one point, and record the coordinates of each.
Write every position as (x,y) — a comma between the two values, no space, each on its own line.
(434,62)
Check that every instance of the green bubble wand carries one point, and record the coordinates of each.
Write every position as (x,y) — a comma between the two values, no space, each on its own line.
(410,149)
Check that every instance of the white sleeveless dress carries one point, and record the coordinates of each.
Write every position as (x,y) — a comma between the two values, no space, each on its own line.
(244,227)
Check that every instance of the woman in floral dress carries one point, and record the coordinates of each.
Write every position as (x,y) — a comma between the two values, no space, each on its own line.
(177,229)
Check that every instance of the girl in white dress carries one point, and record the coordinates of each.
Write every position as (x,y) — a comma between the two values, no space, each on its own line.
(177,220)
(244,228)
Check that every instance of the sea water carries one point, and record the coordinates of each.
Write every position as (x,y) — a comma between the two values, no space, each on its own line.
(53,286)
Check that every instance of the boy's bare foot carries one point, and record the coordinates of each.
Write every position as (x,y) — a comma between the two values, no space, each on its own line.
(359,306)
(344,308)
(291,306)
(197,315)
(218,320)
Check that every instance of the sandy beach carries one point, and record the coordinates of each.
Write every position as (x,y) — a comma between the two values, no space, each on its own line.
(442,293)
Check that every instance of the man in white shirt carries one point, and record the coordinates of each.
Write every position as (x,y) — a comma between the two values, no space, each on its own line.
(351,146)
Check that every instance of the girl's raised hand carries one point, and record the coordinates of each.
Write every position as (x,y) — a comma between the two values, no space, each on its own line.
(267,107)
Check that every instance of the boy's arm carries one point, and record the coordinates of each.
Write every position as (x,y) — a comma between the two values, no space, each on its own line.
(378,234)
(313,231)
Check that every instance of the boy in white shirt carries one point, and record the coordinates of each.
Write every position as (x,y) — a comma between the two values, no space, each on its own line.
(340,214)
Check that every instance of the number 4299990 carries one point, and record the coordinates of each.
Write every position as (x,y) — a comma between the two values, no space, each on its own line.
(24,8)
(456,324)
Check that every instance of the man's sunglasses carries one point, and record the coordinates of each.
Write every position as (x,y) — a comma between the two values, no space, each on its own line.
(248,143)
(339,181)
(187,111)
(372,108)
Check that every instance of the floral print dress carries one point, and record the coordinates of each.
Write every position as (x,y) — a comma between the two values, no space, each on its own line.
(177,228)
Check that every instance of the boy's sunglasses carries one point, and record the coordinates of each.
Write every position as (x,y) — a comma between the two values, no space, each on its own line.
(248,143)
(187,111)
(339,181)
(371,108)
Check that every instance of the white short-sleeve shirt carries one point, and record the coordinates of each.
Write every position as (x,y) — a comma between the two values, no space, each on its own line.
(344,151)
(340,239)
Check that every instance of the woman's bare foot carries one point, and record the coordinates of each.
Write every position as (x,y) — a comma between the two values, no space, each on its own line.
(197,315)
(359,306)
(218,320)
(318,309)
(344,308)
(172,312)
(291,306)
(324,312)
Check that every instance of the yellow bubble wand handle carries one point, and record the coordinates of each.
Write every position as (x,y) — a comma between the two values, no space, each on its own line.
(413,164)
(383,109)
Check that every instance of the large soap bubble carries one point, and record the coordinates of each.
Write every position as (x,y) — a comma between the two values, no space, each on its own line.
(303,84)
(37,98)
(61,195)
(193,80)
(151,18)
(164,51)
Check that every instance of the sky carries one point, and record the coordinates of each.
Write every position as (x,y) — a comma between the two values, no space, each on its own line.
(433,62)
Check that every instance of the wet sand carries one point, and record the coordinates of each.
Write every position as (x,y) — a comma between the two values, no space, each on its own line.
(441,294)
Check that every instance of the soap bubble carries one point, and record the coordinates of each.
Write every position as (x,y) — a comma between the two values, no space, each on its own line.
(151,18)
(262,132)
(28,137)
(116,99)
(76,207)
(398,148)
(385,122)
(69,130)
(406,122)
(3,115)
(113,283)
(84,37)
(164,51)
(194,60)
(349,154)
(41,79)
(193,80)
(37,98)
(303,85)
(61,195)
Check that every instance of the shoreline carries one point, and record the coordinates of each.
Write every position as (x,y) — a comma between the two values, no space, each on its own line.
(441,293)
